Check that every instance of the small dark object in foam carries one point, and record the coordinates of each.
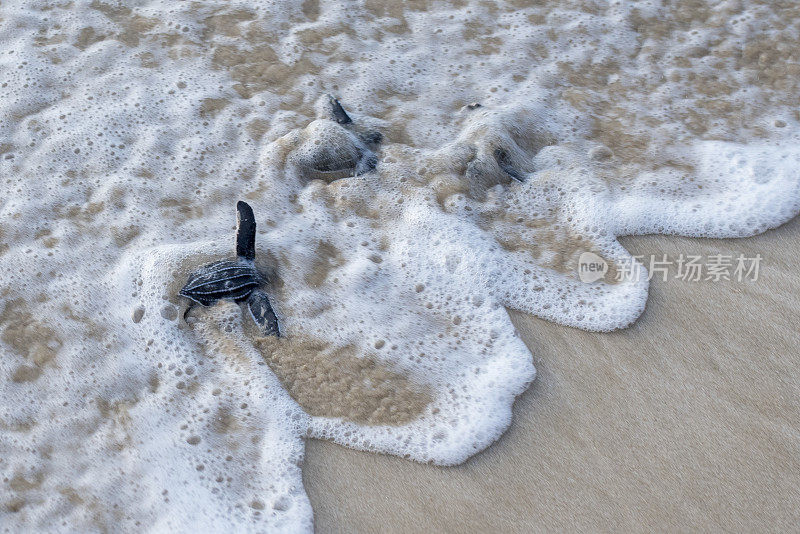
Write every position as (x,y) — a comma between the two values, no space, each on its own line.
(504,162)
(238,279)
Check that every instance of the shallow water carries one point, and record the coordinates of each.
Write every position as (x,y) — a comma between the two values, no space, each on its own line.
(129,132)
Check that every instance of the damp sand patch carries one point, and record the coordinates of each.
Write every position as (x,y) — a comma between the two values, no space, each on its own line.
(329,381)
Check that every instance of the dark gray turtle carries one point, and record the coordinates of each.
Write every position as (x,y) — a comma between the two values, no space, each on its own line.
(237,279)
(335,147)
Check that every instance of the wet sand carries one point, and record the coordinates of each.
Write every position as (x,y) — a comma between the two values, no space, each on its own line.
(689,420)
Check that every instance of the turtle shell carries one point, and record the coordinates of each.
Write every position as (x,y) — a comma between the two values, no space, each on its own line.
(226,279)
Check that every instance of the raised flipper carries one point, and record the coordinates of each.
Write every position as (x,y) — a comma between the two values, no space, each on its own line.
(262,313)
(337,111)
(371,138)
(245,231)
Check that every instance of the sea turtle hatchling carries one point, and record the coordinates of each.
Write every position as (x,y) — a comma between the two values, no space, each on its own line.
(333,146)
(237,279)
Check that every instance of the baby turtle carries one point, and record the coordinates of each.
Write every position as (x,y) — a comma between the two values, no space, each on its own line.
(237,279)
(333,146)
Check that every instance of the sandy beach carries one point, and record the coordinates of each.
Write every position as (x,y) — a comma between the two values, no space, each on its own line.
(687,421)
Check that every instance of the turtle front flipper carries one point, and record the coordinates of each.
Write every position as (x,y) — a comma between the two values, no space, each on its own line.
(262,313)
(245,231)
(504,162)
(367,163)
